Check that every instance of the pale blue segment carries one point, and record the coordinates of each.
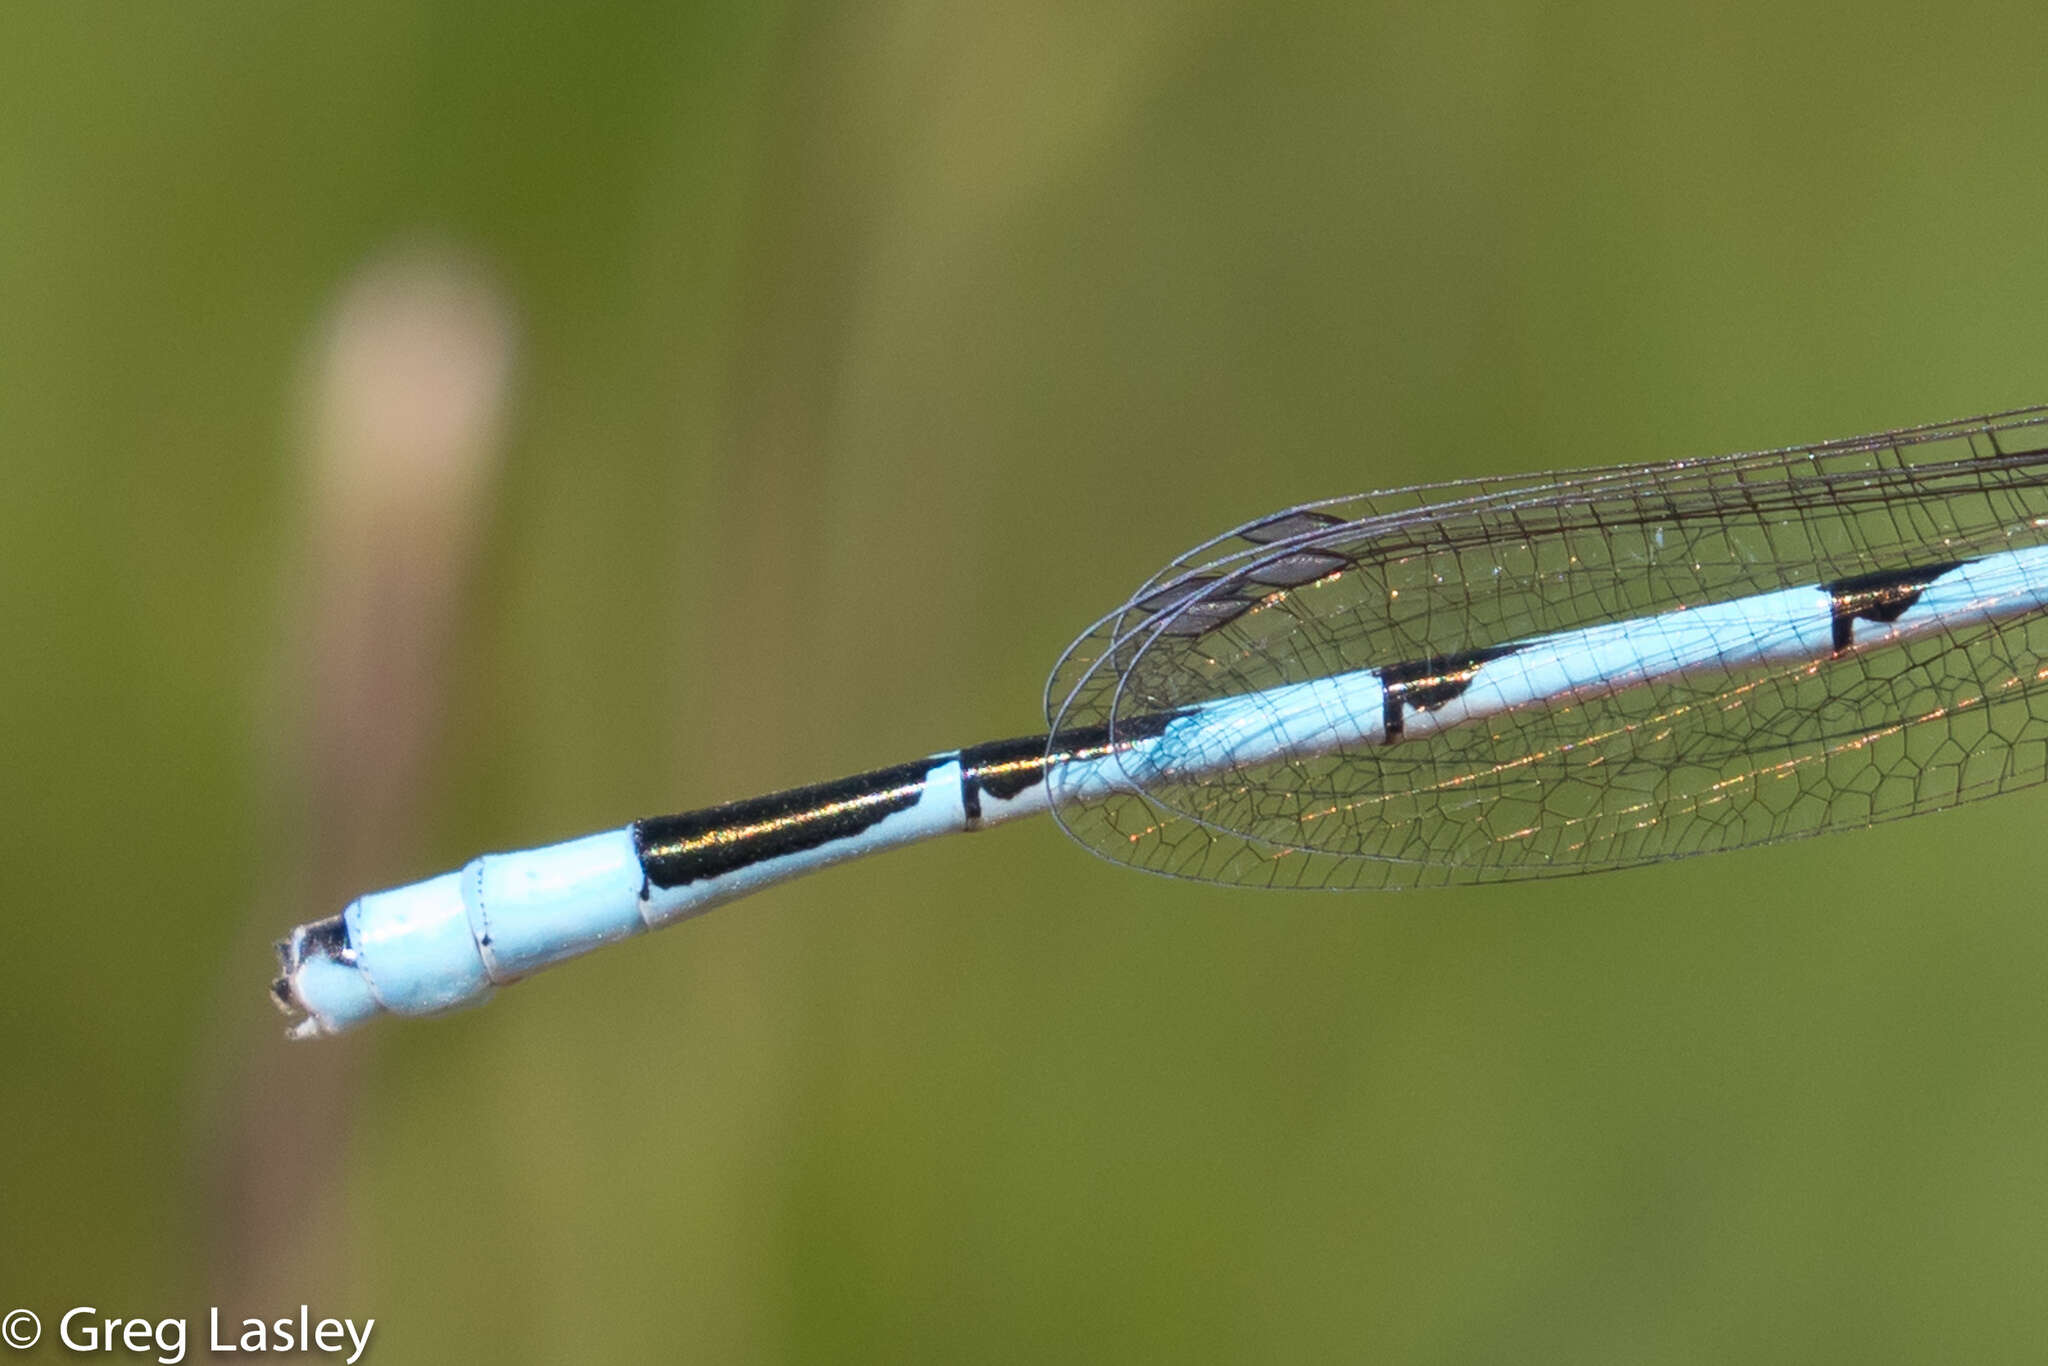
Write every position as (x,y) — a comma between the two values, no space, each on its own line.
(416,947)
(335,995)
(539,906)
(436,945)
(1793,625)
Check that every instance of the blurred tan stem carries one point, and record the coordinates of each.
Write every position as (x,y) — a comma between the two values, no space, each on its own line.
(403,417)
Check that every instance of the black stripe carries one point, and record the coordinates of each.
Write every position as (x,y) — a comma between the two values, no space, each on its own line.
(1426,684)
(678,850)
(1001,768)
(1004,768)
(324,938)
(1883,596)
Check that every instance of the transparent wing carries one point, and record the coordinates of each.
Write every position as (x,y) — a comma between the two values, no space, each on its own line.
(1588,779)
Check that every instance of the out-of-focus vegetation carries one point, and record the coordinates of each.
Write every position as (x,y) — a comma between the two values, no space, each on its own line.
(857,358)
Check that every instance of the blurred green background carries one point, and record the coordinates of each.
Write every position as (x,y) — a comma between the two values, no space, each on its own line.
(861,356)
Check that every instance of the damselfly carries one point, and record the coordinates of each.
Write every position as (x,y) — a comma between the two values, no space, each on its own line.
(1462,682)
